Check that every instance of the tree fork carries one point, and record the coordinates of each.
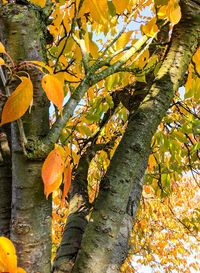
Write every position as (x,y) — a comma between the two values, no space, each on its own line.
(100,235)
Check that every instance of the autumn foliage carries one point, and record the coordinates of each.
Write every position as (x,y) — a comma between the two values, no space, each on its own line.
(98,50)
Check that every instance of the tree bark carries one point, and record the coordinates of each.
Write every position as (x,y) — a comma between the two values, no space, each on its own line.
(22,33)
(76,221)
(109,210)
(121,246)
(5,183)
(5,170)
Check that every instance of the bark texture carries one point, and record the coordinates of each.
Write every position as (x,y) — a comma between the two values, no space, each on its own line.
(121,246)
(22,34)
(5,182)
(109,210)
(76,221)
(79,205)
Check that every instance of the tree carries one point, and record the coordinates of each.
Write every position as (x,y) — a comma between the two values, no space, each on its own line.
(118,86)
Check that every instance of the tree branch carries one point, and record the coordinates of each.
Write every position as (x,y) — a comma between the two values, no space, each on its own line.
(109,210)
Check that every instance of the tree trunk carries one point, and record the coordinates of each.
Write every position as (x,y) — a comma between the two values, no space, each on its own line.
(22,33)
(101,233)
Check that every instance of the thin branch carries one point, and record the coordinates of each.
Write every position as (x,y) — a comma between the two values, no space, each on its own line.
(89,80)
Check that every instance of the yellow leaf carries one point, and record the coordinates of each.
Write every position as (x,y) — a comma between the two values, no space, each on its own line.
(2,48)
(94,49)
(174,13)
(67,22)
(8,258)
(98,10)
(120,5)
(91,47)
(70,78)
(43,65)
(52,171)
(19,101)
(53,89)
(151,162)
(150,28)
(123,40)
(40,3)
(162,13)
(2,62)
(196,60)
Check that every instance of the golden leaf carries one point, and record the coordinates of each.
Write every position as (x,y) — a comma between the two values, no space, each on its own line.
(174,13)
(2,62)
(2,48)
(40,3)
(98,10)
(196,60)
(53,89)
(150,28)
(120,5)
(123,40)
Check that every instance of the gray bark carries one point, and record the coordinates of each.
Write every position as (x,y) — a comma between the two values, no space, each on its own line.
(121,246)
(22,35)
(101,232)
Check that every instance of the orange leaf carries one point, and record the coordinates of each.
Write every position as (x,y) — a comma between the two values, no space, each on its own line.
(67,182)
(52,171)
(49,188)
(19,101)
(53,89)
(147,189)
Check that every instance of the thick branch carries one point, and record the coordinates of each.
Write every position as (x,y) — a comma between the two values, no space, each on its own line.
(101,232)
